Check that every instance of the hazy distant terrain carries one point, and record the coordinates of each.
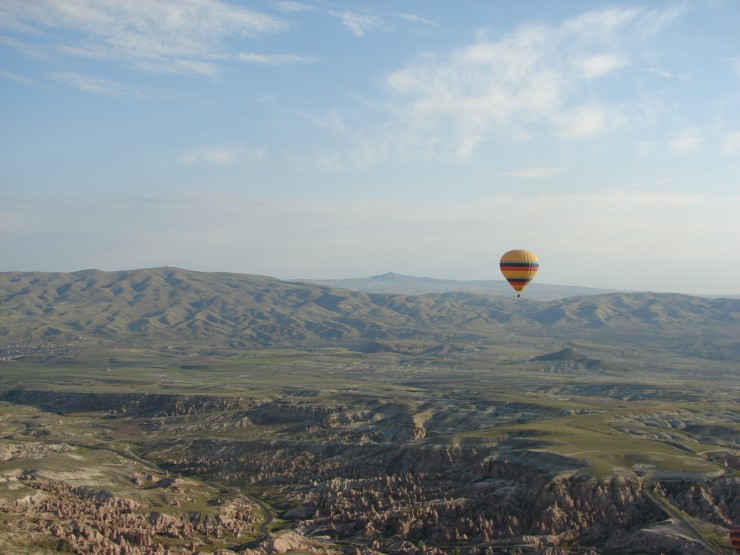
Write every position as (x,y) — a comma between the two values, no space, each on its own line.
(409,285)
(230,413)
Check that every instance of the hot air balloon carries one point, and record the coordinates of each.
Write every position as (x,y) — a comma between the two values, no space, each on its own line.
(519,267)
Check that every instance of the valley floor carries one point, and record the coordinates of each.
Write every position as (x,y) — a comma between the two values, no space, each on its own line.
(461,451)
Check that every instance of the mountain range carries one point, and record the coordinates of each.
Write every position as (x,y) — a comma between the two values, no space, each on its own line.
(174,306)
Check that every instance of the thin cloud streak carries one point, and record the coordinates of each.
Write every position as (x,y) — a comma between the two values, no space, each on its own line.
(161,36)
(94,85)
(275,59)
(357,24)
(295,7)
(416,19)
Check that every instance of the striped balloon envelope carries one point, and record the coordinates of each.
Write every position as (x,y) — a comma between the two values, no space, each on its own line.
(735,539)
(519,267)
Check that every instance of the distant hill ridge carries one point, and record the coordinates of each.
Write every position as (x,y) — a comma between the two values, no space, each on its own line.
(164,306)
(392,282)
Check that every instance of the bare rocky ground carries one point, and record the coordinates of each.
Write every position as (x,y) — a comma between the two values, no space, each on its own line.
(463,452)
(63,489)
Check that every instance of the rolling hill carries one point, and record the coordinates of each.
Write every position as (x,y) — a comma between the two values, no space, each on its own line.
(170,305)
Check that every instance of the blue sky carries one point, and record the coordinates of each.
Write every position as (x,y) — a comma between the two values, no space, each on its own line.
(347,139)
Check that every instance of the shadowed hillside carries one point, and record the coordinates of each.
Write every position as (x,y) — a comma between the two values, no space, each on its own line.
(165,305)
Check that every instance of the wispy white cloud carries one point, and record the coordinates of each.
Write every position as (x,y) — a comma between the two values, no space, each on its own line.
(94,85)
(222,155)
(182,67)
(275,59)
(158,35)
(295,7)
(357,23)
(585,121)
(596,66)
(515,86)
(657,71)
(654,21)
(687,141)
(602,26)
(534,173)
(463,95)
(415,18)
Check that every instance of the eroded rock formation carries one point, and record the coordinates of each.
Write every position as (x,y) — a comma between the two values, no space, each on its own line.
(93,521)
